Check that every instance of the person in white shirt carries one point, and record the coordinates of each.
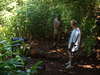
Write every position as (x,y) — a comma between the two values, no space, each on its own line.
(56,32)
(74,41)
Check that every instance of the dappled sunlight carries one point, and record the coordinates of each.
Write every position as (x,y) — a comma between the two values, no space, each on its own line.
(89,66)
(5,14)
(98,16)
(98,50)
(56,50)
(86,66)
(98,37)
(13,4)
(2,28)
(98,54)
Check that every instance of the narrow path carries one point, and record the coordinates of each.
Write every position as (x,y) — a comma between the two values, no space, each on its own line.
(54,61)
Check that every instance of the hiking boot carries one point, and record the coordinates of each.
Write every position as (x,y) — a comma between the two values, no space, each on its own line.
(69,66)
(69,62)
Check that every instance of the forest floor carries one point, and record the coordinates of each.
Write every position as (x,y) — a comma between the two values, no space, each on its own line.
(55,58)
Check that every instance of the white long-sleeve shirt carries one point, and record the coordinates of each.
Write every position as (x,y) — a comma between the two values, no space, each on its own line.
(74,38)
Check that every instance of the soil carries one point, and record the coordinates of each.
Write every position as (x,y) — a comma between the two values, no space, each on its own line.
(55,58)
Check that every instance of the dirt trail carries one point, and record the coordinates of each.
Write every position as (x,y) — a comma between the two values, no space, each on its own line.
(54,60)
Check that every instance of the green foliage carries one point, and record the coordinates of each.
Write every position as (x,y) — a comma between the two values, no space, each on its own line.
(6,16)
(11,62)
(7,62)
(89,44)
(88,36)
(25,18)
(36,17)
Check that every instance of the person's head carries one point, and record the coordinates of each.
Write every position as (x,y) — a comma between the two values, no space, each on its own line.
(58,17)
(73,23)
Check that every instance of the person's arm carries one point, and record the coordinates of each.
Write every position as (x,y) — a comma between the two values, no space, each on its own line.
(70,40)
(77,39)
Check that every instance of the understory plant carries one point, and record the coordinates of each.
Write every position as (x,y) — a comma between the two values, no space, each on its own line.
(13,62)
